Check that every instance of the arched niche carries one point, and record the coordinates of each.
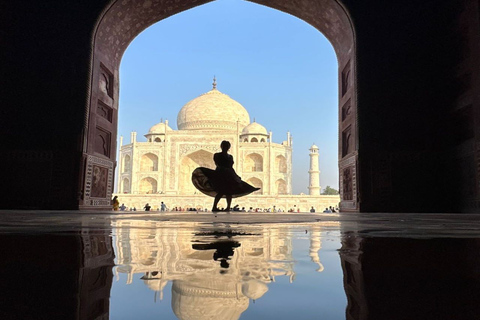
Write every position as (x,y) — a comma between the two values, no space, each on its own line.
(189,163)
(254,139)
(121,21)
(256,182)
(281,187)
(148,185)
(148,162)
(125,185)
(253,162)
(127,163)
(280,164)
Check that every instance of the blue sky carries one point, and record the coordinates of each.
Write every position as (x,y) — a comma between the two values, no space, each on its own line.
(281,69)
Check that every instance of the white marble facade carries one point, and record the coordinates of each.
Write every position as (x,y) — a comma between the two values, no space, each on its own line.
(164,163)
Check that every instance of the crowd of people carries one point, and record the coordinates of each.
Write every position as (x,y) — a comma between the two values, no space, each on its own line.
(163,208)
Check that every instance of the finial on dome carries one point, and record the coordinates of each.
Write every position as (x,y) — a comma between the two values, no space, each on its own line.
(254,120)
(214,82)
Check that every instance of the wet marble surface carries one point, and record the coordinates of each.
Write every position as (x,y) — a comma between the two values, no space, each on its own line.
(106,265)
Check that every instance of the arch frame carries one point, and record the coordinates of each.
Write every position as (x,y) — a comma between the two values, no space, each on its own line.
(109,42)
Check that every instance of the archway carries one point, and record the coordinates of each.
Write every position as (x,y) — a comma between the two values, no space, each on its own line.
(257,183)
(126,164)
(280,164)
(253,163)
(122,21)
(149,162)
(148,186)
(189,163)
(125,186)
(281,186)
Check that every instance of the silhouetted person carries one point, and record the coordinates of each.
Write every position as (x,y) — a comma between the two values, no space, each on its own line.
(223,181)
(147,207)
(224,250)
(115,203)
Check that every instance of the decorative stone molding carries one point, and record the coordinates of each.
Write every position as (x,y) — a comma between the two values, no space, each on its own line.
(189,148)
(98,181)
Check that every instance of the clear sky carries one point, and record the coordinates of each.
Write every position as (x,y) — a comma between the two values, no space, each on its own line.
(281,69)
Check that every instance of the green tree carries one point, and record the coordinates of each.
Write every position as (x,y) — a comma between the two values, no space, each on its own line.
(329,191)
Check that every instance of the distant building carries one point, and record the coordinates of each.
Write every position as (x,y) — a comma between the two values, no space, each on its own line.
(162,166)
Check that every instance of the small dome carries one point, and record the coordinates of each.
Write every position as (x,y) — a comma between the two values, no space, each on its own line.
(254,128)
(159,128)
(254,289)
(314,147)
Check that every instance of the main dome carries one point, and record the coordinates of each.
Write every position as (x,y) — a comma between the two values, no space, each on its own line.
(212,110)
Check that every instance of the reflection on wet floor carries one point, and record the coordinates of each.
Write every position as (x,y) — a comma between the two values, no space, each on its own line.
(218,271)
(215,270)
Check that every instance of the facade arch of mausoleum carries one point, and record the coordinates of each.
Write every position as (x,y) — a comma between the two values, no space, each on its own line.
(188,163)
(149,162)
(126,163)
(256,182)
(125,186)
(253,162)
(281,187)
(148,186)
(280,164)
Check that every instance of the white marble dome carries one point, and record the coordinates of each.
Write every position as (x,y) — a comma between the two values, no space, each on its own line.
(254,128)
(159,128)
(212,111)
(208,300)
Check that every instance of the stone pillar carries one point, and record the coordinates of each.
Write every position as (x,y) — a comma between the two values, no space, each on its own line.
(133,137)
(120,166)
(314,187)
(133,164)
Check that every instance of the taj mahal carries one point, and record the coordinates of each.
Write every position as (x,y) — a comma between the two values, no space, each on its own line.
(160,169)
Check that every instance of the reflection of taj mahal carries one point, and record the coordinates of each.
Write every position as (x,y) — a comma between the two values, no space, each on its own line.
(213,274)
(160,169)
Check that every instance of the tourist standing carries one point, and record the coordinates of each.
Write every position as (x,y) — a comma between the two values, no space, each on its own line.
(115,203)
(147,207)
(163,207)
(312,210)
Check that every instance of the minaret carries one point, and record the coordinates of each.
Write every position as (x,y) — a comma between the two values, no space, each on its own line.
(314,188)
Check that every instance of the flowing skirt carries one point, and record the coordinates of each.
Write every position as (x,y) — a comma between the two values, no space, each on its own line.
(223,180)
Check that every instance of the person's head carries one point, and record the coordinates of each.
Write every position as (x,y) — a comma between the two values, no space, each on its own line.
(225,145)
(115,197)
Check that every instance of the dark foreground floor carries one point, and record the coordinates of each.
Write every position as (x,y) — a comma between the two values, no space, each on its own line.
(58,265)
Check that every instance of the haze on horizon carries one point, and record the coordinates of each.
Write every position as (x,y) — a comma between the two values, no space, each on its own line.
(281,69)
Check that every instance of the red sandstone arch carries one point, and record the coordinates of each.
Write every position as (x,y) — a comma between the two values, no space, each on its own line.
(122,20)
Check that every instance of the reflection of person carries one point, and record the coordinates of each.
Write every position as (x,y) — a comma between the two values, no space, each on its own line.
(224,250)
(115,203)
(223,181)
